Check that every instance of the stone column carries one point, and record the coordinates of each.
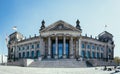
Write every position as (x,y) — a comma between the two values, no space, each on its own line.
(71,48)
(26,50)
(13,57)
(91,51)
(49,47)
(100,51)
(56,48)
(42,48)
(64,47)
(80,49)
(86,50)
(105,53)
(96,51)
(77,48)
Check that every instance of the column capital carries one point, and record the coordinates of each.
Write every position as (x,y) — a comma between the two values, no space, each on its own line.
(64,35)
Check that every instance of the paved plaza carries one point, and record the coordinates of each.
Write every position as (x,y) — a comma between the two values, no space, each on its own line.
(29,70)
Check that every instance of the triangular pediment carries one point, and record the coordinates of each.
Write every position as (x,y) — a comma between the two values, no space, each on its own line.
(60,26)
(105,33)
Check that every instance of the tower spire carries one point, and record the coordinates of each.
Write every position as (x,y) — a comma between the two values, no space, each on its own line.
(43,25)
(78,25)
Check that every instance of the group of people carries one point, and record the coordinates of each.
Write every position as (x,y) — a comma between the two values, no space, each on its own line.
(109,69)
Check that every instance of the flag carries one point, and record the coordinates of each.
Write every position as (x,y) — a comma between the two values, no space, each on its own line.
(105,26)
(14,28)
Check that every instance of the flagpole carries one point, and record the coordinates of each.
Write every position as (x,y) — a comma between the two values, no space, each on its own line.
(15,29)
(105,27)
(2,55)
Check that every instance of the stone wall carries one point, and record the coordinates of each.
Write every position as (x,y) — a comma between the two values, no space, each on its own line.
(3,59)
(21,62)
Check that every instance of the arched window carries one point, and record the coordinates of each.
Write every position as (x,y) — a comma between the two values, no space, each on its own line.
(28,54)
(37,53)
(19,55)
(88,54)
(83,54)
(98,55)
(23,55)
(93,54)
(32,54)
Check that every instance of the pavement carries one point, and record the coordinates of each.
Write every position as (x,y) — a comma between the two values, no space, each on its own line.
(31,70)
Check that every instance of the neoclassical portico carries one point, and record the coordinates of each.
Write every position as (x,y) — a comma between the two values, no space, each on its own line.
(60,40)
(60,47)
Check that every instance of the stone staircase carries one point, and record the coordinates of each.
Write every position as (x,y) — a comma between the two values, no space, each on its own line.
(95,62)
(58,63)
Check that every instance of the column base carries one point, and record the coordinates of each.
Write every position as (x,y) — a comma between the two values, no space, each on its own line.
(64,56)
(71,56)
(80,59)
(39,58)
(48,56)
(56,56)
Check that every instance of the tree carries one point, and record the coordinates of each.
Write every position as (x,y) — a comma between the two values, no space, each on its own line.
(117,60)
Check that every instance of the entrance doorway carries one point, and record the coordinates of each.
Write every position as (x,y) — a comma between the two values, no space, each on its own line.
(67,48)
(60,48)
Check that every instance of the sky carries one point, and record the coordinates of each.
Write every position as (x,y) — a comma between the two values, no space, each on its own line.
(28,14)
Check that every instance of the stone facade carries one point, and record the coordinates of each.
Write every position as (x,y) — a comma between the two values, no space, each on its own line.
(61,40)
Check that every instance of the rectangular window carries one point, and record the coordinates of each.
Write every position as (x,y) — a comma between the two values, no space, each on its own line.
(83,46)
(97,48)
(109,51)
(32,46)
(19,49)
(97,55)
(101,48)
(93,54)
(101,55)
(19,55)
(93,47)
(38,45)
(88,46)
(28,47)
(23,48)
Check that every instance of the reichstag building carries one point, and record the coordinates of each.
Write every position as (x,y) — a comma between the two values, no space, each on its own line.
(61,40)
